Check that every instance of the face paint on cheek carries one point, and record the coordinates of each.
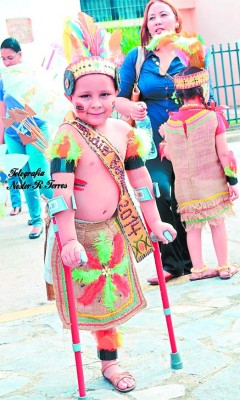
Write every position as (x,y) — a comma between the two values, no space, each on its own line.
(79,108)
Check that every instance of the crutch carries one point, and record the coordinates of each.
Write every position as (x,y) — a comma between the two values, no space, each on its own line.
(175,358)
(53,208)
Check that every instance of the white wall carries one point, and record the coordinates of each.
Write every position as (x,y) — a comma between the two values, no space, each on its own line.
(218,20)
(47,18)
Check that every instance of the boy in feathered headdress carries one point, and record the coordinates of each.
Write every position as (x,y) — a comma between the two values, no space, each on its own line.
(101,225)
(205,170)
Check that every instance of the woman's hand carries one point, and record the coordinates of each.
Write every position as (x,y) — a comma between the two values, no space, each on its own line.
(138,110)
(159,228)
(73,254)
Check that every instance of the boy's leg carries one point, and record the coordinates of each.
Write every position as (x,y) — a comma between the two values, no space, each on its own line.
(199,270)
(219,236)
(108,341)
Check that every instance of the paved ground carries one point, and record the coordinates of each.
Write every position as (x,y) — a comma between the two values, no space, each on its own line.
(37,361)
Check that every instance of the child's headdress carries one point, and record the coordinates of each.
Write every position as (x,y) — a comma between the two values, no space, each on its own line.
(90,50)
(191,51)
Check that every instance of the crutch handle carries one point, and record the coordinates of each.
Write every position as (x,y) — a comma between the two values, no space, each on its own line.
(166,234)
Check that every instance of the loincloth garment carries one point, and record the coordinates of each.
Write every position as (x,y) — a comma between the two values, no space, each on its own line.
(107,293)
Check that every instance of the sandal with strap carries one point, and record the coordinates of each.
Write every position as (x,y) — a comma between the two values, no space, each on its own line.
(116,378)
(212,273)
(227,271)
(15,211)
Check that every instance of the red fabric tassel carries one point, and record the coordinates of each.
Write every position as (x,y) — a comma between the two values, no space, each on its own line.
(121,284)
(91,291)
(118,250)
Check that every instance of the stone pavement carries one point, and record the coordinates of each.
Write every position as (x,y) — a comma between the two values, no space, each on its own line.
(37,360)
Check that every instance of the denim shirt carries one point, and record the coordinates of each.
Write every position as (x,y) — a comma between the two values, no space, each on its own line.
(156,90)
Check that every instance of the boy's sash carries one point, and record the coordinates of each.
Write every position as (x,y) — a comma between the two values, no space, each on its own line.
(129,218)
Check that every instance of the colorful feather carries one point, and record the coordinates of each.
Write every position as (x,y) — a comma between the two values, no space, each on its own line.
(109,294)
(85,277)
(118,250)
(103,245)
(121,284)
(108,339)
(188,47)
(92,291)
(83,38)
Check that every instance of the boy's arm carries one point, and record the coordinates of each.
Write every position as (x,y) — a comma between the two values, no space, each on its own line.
(65,152)
(139,178)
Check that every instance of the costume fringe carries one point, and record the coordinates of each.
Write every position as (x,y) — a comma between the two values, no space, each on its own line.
(197,214)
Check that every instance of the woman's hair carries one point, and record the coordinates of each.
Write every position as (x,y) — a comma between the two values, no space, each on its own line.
(186,94)
(144,33)
(11,43)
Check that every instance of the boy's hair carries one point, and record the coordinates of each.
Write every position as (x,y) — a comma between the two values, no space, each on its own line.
(186,94)
(11,43)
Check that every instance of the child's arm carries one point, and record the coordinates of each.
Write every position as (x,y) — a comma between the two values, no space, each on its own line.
(229,165)
(65,152)
(140,178)
(163,146)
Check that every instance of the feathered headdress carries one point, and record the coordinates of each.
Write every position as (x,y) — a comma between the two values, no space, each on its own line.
(191,50)
(89,49)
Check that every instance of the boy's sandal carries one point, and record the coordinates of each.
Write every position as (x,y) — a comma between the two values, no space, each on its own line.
(116,378)
(212,273)
(15,211)
(229,271)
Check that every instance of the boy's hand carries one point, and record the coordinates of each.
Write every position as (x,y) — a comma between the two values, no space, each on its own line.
(160,228)
(234,192)
(73,254)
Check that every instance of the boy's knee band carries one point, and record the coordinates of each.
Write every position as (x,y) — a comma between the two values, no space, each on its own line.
(106,355)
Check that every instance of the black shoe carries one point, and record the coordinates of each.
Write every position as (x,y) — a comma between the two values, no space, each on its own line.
(37,234)
(30,222)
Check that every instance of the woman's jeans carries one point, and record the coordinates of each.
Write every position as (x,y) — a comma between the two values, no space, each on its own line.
(32,186)
(175,256)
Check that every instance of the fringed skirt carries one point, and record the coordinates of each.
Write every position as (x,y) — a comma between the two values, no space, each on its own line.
(107,291)
(196,213)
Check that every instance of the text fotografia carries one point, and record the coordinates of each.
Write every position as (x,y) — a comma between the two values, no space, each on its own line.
(19,172)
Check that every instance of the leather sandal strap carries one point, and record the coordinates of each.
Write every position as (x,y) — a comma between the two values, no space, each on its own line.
(108,365)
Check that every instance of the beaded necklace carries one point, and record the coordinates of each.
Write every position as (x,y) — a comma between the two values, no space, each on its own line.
(191,106)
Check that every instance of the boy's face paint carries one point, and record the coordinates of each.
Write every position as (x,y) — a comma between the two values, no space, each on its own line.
(93,98)
(79,108)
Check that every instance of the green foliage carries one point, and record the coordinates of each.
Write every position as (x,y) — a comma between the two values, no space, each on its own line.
(130,37)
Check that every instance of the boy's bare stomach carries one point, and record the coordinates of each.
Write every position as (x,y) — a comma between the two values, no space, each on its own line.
(98,200)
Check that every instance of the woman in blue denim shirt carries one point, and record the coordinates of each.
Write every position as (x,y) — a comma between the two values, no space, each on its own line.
(11,55)
(157,89)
